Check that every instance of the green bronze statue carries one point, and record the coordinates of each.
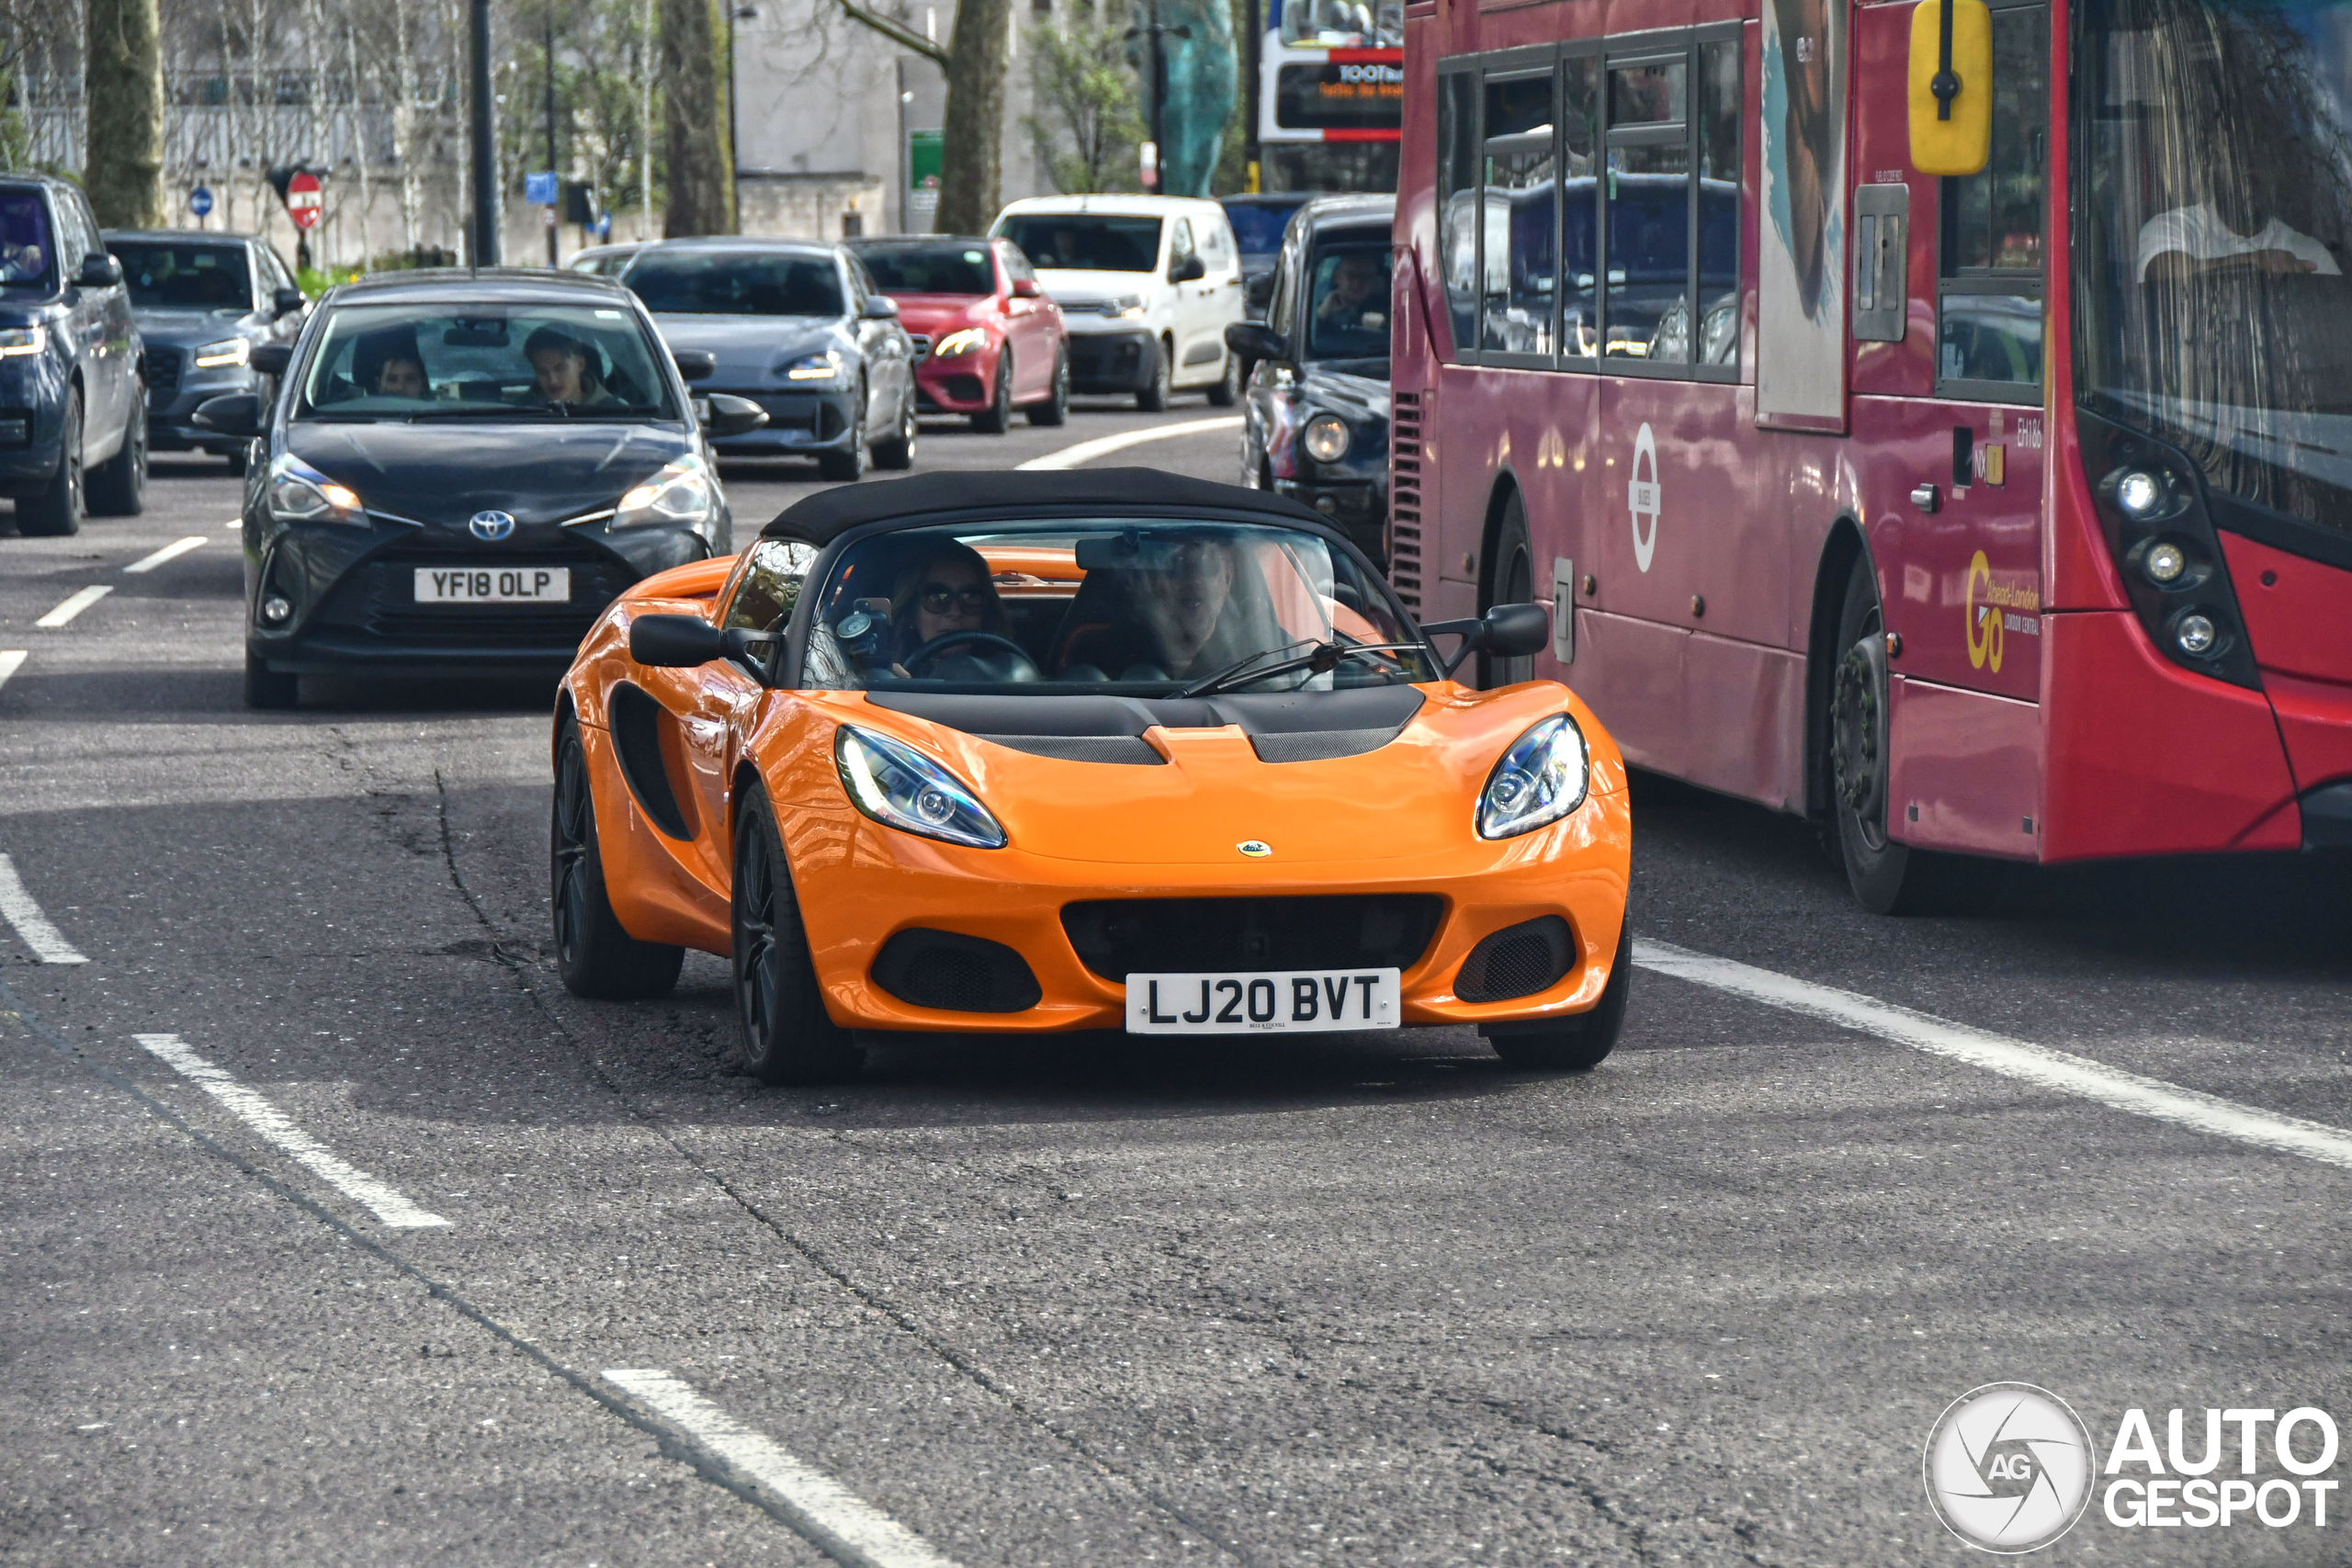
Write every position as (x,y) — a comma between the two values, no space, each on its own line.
(1197,51)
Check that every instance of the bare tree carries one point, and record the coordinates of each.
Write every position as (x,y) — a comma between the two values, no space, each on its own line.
(694,86)
(123,76)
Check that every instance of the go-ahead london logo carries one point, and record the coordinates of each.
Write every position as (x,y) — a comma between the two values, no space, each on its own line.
(2008,1468)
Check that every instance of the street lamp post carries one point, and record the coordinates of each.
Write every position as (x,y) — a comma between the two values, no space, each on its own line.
(485,142)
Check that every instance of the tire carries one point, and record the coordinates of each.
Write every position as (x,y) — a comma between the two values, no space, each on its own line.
(267,689)
(56,511)
(118,487)
(1154,397)
(787,1036)
(848,464)
(997,418)
(1055,410)
(899,452)
(1513,577)
(597,956)
(1583,1043)
(1226,390)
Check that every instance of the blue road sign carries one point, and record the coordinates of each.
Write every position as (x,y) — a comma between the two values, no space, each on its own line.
(199,202)
(604,225)
(540,190)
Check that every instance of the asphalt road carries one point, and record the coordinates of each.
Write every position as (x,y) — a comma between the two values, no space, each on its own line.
(1346,1298)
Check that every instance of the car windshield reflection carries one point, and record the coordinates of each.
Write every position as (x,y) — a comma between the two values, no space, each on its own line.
(447,360)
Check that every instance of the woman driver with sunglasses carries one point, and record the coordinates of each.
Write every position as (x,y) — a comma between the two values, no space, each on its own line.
(948,589)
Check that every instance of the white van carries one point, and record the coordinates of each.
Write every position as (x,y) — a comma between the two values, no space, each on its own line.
(1146,284)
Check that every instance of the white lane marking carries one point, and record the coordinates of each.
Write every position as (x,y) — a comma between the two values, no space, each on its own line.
(386,1204)
(11,660)
(48,944)
(841,1523)
(81,601)
(1104,446)
(2037,1065)
(171,551)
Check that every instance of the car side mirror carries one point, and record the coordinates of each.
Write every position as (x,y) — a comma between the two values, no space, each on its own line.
(272,358)
(1255,341)
(286,301)
(723,414)
(689,642)
(881,307)
(1507,631)
(99,270)
(232,413)
(694,363)
(1027,289)
(1189,270)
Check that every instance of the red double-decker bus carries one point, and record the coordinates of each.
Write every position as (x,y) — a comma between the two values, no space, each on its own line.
(2005,513)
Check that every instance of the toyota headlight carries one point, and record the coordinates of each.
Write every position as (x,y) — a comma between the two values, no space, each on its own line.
(1327,439)
(14,341)
(300,493)
(971,339)
(1127,308)
(899,787)
(219,356)
(825,366)
(1541,779)
(680,496)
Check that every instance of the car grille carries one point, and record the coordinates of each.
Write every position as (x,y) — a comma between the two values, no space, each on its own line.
(1517,960)
(1405,499)
(922,346)
(1373,931)
(162,367)
(377,599)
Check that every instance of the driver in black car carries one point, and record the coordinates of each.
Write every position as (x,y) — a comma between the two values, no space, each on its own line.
(947,590)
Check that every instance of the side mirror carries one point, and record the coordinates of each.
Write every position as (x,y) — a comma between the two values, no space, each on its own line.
(286,301)
(272,358)
(1027,289)
(1255,341)
(694,363)
(724,414)
(882,308)
(1507,631)
(689,642)
(232,413)
(1951,89)
(99,270)
(1190,270)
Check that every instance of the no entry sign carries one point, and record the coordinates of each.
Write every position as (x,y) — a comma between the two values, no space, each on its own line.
(302,200)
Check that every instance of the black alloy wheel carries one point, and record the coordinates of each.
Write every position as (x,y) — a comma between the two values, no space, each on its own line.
(848,464)
(267,689)
(997,418)
(899,452)
(788,1038)
(55,510)
(1580,1043)
(1226,391)
(595,956)
(1154,397)
(119,485)
(1055,410)
(1512,575)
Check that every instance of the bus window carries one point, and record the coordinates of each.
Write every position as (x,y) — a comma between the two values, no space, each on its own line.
(1648,200)
(1520,286)
(1989,315)
(1580,266)
(1457,194)
(1719,174)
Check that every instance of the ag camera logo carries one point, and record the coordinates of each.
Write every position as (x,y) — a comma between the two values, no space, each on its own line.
(2008,1468)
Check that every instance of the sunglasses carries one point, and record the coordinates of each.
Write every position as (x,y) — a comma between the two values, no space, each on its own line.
(937,596)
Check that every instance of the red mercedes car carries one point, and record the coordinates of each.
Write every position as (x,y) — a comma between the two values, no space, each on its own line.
(986,339)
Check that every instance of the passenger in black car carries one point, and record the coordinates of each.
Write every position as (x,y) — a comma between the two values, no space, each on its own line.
(387,365)
(568,370)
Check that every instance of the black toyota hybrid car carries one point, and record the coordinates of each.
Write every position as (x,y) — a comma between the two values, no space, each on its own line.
(461,470)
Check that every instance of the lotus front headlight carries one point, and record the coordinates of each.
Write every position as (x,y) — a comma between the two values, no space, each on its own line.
(899,787)
(1327,439)
(14,341)
(300,493)
(971,339)
(1541,779)
(229,351)
(681,496)
(825,366)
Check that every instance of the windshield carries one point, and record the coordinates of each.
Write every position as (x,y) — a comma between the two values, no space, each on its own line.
(185,277)
(1140,608)
(1343,24)
(449,359)
(2214,308)
(24,249)
(929,269)
(1074,242)
(1348,301)
(1258,225)
(736,283)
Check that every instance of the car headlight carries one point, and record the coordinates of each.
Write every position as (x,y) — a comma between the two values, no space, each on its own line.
(822,366)
(300,493)
(228,351)
(971,339)
(14,341)
(1327,438)
(680,496)
(899,787)
(1541,779)
(1127,308)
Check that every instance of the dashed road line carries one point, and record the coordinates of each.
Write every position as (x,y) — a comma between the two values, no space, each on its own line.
(842,1525)
(80,600)
(379,1199)
(1104,446)
(11,660)
(16,906)
(170,552)
(2037,1065)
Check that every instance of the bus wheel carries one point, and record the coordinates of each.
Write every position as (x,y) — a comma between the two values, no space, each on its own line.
(1513,577)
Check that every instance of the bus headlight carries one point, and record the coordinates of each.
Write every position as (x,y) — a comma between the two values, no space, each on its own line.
(1326,438)
(1541,779)
(680,496)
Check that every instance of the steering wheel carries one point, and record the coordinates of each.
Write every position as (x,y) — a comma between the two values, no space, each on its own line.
(931,649)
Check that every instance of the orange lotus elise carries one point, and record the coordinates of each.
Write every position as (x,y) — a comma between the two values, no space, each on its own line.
(1112,749)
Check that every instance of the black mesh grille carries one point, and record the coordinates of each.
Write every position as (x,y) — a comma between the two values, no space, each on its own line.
(1517,960)
(162,367)
(954,973)
(963,388)
(1381,930)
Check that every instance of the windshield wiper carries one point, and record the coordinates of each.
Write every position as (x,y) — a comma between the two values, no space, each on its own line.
(1321,658)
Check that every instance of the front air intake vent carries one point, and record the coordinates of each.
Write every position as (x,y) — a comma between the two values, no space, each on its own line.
(954,973)
(1517,960)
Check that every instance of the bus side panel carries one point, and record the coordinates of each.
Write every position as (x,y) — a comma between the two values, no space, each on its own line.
(2147,759)
(1630,673)
(1966,770)
(1743,720)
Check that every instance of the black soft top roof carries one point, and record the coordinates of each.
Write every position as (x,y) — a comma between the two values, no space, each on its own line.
(827,516)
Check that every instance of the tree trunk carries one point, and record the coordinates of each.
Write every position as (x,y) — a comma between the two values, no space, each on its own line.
(971,143)
(123,84)
(695,121)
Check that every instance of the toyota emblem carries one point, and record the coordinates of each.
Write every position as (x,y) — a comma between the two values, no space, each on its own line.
(491,526)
